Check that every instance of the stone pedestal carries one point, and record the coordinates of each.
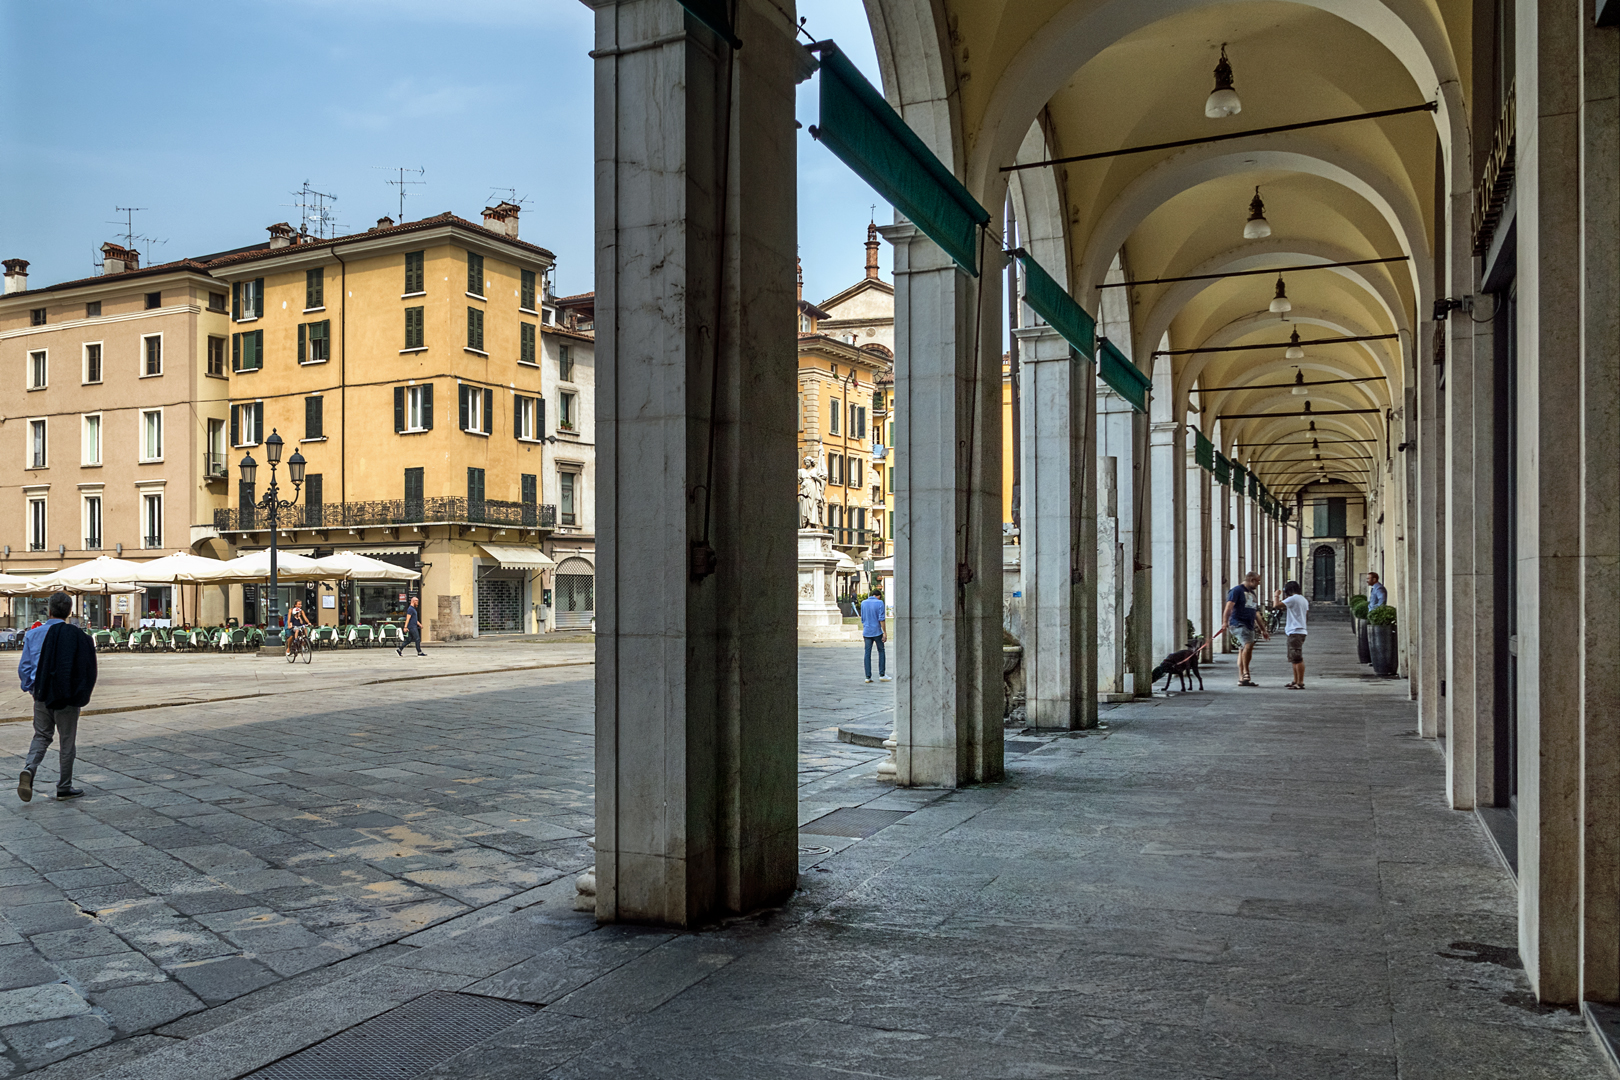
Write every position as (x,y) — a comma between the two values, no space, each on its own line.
(819,616)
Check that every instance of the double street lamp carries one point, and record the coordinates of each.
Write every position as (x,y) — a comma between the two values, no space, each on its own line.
(273,505)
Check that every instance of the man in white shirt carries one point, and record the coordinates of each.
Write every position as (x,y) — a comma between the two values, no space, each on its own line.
(1295,606)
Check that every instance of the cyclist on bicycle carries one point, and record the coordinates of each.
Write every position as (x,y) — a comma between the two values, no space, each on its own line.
(298,621)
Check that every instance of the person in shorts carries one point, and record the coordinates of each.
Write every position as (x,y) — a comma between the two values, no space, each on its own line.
(1241,617)
(1295,605)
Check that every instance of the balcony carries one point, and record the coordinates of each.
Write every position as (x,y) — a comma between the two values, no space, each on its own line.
(154,542)
(92,543)
(214,466)
(391,513)
(856,538)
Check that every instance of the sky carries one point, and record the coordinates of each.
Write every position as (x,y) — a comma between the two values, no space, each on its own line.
(210,117)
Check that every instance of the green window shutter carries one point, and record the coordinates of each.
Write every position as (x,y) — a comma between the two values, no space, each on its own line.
(302,327)
(526,343)
(489,411)
(480,322)
(539,417)
(413,485)
(258,297)
(236,425)
(236,300)
(1222,469)
(472,322)
(313,418)
(517,417)
(531,488)
(236,352)
(399,411)
(427,407)
(1124,377)
(1043,294)
(258,421)
(870,137)
(526,299)
(461,399)
(475,274)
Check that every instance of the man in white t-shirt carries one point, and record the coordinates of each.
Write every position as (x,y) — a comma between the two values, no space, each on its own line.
(1295,606)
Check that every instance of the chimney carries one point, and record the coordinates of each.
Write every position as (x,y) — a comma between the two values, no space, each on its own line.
(502,218)
(383,222)
(281,235)
(115,259)
(801,280)
(872,252)
(16,275)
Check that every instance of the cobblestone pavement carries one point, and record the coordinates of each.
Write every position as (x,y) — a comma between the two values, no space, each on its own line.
(1223,884)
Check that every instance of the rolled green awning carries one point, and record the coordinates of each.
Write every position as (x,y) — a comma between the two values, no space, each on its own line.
(1223,469)
(1237,478)
(1126,379)
(1203,451)
(1050,302)
(870,137)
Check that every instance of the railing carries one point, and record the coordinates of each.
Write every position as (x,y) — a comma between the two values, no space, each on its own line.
(214,466)
(36,545)
(154,541)
(92,543)
(851,537)
(432,511)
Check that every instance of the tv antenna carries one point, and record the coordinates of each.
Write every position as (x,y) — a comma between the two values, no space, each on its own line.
(315,215)
(402,183)
(128,223)
(511,193)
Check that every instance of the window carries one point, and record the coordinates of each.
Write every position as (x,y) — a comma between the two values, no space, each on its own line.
(314,498)
(565,412)
(152,435)
(476,405)
(315,342)
(526,414)
(216,301)
(152,521)
(91,454)
(475,329)
(247,299)
(526,291)
(855,466)
(565,364)
(36,444)
(413,492)
(475,489)
(475,275)
(214,463)
(154,300)
(36,524)
(415,277)
(247,351)
(890,479)
(526,343)
(151,355)
(216,356)
(857,421)
(415,336)
(413,408)
(246,507)
(92,522)
(314,288)
(891,434)
(247,424)
(877,476)
(567,496)
(36,316)
(38,369)
(92,310)
(835,469)
(314,426)
(834,414)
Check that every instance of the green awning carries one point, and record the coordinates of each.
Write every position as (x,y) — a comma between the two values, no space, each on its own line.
(1057,307)
(716,15)
(872,139)
(1124,377)
(1237,478)
(1203,451)
(1223,469)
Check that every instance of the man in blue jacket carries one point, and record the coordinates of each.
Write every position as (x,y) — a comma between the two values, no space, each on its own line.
(872,615)
(58,667)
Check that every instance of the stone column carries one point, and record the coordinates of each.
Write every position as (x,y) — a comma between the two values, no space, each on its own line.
(1208,612)
(1142,659)
(1059,532)
(696,677)
(948,514)
(1223,579)
(1110,584)
(1169,513)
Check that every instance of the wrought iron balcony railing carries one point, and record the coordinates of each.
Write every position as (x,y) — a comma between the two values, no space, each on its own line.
(431,511)
(214,467)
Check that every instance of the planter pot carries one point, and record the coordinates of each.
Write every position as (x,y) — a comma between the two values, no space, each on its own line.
(1363,650)
(1381,643)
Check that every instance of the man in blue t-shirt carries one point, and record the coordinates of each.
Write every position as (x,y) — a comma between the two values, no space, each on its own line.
(1377,595)
(1239,616)
(872,615)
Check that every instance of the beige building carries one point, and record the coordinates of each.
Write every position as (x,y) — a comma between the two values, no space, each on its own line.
(114,418)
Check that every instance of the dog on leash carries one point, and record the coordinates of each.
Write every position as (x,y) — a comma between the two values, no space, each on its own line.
(1182,663)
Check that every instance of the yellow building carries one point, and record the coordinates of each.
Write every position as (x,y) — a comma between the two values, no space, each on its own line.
(430,448)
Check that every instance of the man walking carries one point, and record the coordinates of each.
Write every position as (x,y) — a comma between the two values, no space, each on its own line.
(58,667)
(872,615)
(1377,595)
(413,629)
(1239,616)
(1295,606)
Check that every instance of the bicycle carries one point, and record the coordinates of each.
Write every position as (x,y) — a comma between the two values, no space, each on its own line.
(299,646)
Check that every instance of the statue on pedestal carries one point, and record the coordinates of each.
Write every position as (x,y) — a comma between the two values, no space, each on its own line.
(812,494)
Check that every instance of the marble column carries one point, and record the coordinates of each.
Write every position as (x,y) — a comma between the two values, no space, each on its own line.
(1110,582)
(1199,563)
(696,672)
(1059,533)
(1142,659)
(948,554)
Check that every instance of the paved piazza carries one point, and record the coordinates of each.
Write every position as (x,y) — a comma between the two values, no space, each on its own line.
(1226,884)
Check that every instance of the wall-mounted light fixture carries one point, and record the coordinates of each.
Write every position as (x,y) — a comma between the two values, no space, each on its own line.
(1223,100)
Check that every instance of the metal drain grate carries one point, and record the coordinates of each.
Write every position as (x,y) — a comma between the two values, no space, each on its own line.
(853,821)
(402,1042)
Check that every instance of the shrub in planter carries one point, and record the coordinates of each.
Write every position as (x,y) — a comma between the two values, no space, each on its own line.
(1358,619)
(1381,640)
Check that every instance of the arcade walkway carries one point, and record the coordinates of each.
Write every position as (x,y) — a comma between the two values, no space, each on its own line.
(1234,883)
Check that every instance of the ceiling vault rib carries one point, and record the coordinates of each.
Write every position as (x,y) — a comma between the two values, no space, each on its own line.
(1427,106)
(1285,385)
(1281,416)
(1252,273)
(1278,345)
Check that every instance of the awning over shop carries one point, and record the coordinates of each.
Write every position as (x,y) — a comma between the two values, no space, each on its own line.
(1126,379)
(512,557)
(1050,302)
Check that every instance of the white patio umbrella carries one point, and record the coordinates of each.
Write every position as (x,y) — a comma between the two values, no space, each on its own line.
(184,568)
(352,564)
(255,566)
(96,574)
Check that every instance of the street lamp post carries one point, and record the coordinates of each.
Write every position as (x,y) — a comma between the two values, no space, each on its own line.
(273,505)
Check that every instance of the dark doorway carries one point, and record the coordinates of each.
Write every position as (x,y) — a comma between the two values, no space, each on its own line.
(1327,586)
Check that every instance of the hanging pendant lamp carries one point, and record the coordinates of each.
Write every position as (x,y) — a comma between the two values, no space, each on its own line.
(1300,389)
(1314,445)
(1295,351)
(1223,100)
(1313,425)
(1280,303)
(1257,227)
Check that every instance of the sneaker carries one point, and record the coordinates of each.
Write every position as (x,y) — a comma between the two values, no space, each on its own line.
(400,651)
(25,786)
(869,682)
(69,793)
(884,678)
